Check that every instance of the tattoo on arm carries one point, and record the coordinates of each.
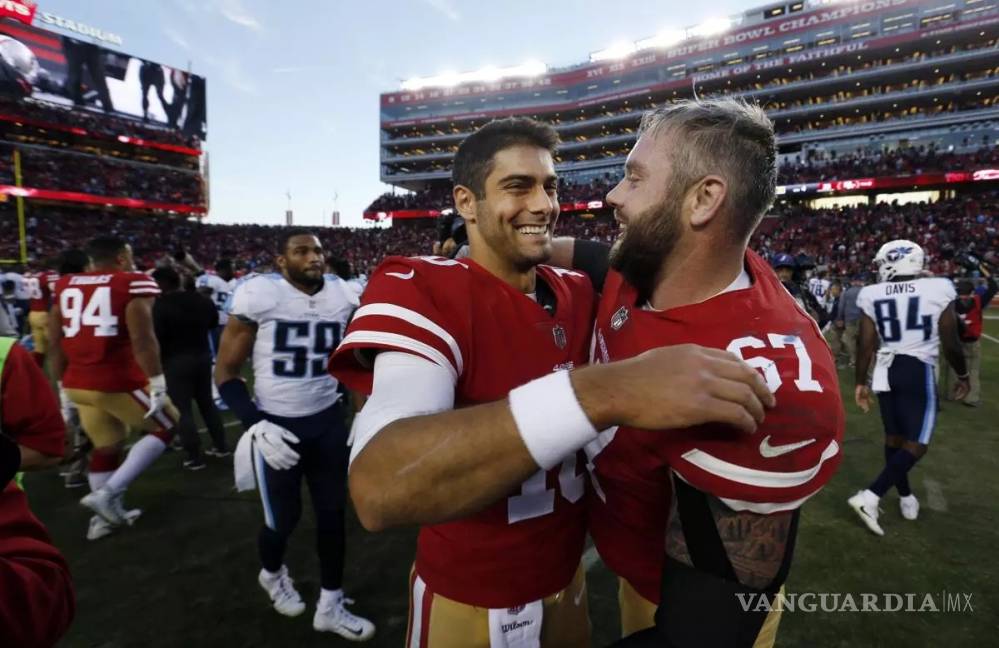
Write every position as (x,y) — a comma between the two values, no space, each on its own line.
(755,543)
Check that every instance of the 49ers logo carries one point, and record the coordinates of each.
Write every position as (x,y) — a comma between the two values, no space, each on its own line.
(23,10)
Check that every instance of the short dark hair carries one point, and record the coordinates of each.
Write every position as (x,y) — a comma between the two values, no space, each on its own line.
(965,287)
(167,278)
(724,136)
(72,261)
(287,235)
(474,160)
(105,249)
(225,264)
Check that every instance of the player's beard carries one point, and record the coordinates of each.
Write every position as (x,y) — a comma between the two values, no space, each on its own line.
(647,241)
(304,279)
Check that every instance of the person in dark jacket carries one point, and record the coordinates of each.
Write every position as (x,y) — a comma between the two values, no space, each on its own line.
(183,321)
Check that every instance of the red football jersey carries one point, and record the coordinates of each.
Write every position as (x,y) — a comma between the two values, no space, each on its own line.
(787,460)
(493,338)
(95,334)
(40,286)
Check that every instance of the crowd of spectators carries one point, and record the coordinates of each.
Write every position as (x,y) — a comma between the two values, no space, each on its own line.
(844,240)
(156,237)
(96,124)
(43,168)
(818,167)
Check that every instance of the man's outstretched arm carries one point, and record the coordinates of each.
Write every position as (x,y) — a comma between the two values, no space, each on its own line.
(441,466)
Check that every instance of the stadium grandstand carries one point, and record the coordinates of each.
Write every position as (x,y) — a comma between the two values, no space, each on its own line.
(874,102)
(89,135)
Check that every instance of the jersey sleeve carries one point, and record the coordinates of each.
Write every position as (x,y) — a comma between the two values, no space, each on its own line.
(865,302)
(403,310)
(252,299)
(943,293)
(793,453)
(141,285)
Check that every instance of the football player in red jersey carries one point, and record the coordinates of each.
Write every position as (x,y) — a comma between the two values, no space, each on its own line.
(40,287)
(105,355)
(724,504)
(452,438)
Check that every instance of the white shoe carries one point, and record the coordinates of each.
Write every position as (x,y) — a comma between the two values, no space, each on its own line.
(107,504)
(865,503)
(282,591)
(332,616)
(910,507)
(99,527)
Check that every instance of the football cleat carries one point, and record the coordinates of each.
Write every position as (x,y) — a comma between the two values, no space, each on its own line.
(865,504)
(99,527)
(218,454)
(194,465)
(282,591)
(107,504)
(909,506)
(333,616)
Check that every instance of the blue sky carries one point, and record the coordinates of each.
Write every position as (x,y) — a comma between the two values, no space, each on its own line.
(293,85)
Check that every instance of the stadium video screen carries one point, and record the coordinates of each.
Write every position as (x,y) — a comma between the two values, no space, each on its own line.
(61,69)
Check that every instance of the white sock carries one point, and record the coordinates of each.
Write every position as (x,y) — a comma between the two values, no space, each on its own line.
(330,596)
(871,496)
(96,480)
(143,453)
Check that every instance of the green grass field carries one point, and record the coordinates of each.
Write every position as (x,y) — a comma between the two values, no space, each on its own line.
(185,575)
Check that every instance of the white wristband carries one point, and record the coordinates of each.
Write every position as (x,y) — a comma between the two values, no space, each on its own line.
(550,419)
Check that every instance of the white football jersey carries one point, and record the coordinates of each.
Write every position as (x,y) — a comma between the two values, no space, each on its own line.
(220,292)
(907,314)
(820,290)
(21,288)
(296,333)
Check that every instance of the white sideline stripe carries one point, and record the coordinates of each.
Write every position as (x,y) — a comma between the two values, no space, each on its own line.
(590,558)
(416,319)
(989,337)
(935,500)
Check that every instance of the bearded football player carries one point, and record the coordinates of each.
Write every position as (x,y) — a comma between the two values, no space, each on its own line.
(724,504)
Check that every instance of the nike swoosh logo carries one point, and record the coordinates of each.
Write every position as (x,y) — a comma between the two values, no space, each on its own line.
(408,275)
(770,451)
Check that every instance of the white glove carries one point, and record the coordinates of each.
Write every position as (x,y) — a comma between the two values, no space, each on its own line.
(157,395)
(272,441)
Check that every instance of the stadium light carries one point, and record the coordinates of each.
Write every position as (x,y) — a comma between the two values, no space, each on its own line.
(711,26)
(488,74)
(616,51)
(665,38)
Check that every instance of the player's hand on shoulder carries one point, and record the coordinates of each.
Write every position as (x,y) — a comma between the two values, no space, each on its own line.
(273,441)
(686,385)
